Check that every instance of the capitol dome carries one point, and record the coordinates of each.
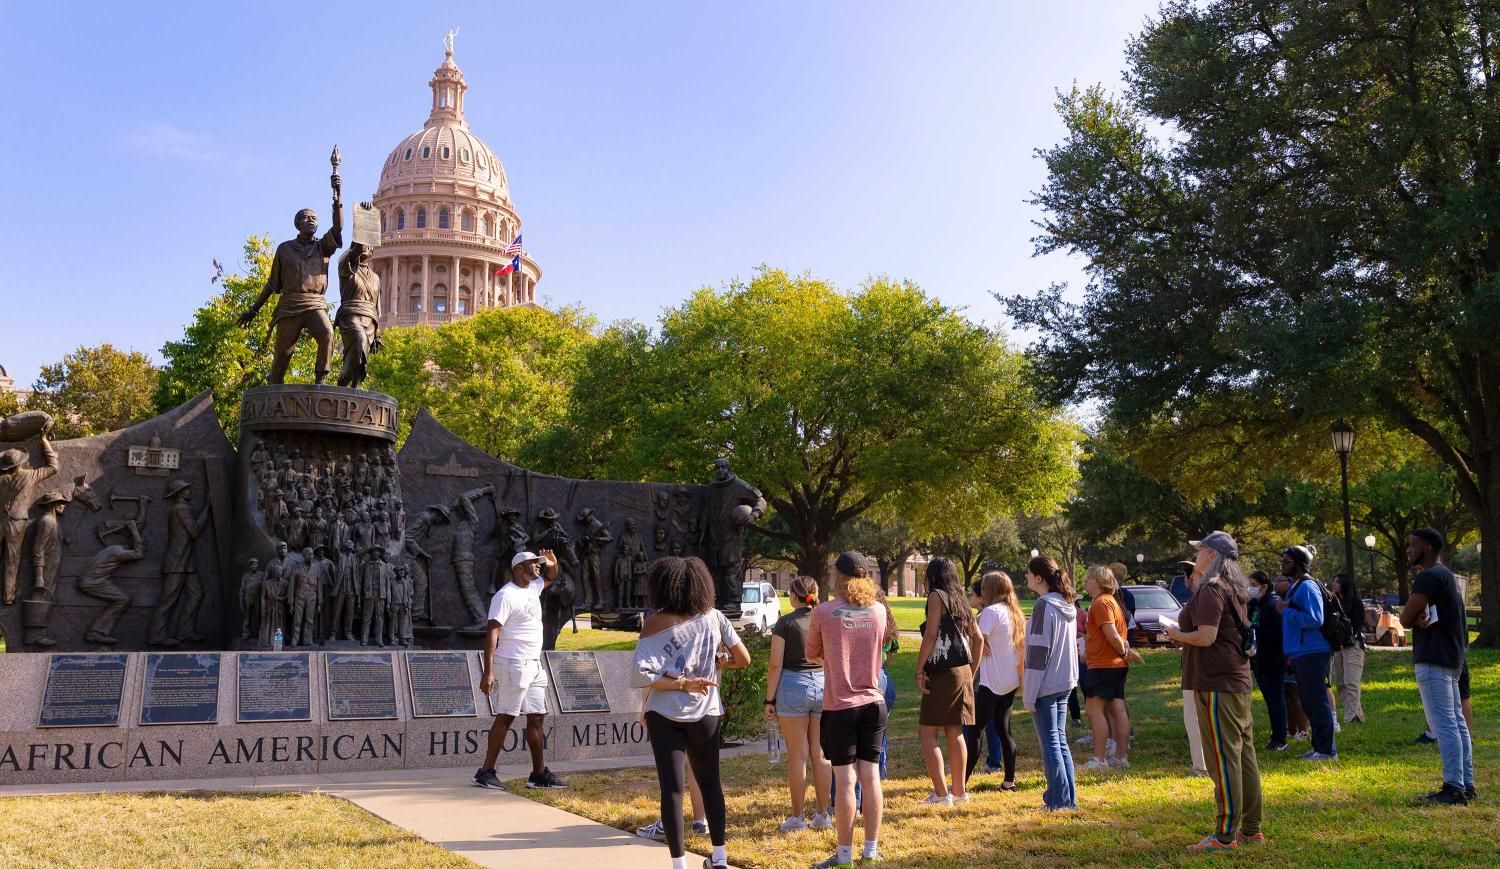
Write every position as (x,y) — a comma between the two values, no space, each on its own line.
(448,230)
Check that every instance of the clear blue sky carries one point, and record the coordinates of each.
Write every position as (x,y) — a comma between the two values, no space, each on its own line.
(652,148)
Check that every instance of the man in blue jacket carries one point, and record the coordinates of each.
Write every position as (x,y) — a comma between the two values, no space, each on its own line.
(1302,640)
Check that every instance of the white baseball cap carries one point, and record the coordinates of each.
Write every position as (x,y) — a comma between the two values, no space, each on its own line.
(523,557)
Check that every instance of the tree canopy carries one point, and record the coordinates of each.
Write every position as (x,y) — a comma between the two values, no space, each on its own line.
(94,390)
(831,402)
(1316,230)
(500,379)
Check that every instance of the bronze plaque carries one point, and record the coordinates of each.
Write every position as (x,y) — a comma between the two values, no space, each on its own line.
(274,686)
(366,225)
(181,688)
(440,684)
(361,685)
(577,682)
(321,409)
(83,691)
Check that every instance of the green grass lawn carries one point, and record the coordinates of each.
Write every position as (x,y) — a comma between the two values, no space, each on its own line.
(910,611)
(205,829)
(1355,812)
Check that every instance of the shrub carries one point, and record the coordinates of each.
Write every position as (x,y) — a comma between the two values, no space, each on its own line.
(744,692)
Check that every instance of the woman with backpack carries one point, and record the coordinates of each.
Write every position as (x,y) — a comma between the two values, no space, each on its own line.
(1217,647)
(951,646)
(1302,617)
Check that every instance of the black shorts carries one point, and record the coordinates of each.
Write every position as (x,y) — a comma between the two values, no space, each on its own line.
(1463,682)
(853,734)
(1106,683)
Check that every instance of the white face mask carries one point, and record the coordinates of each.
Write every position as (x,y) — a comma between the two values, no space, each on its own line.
(1254,592)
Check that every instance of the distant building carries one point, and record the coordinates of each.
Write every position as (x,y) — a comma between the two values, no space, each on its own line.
(446,220)
(8,384)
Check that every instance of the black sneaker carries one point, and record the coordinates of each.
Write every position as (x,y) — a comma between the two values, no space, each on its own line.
(1470,794)
(1423,739)
(486,778)
(1447,796)
(545,780)
(1276,746)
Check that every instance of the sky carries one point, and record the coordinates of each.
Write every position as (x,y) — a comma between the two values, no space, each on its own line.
(651,148)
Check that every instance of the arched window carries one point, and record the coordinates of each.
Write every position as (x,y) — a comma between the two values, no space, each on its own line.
(416,298)
(426,152)
(442,218)
(400,218)
(463,154)
(446,152)
(382,221)
(421,218)
(486,225)
(440,299)
(408,153)
(466,221)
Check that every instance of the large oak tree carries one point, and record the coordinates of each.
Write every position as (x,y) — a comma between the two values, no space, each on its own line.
(1298,202)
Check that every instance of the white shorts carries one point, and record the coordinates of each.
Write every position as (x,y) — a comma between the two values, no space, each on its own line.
(521,686)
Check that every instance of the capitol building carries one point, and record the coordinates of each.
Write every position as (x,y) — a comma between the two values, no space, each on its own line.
(446,220)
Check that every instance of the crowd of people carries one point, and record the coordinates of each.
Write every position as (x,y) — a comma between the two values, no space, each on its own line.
(829,690)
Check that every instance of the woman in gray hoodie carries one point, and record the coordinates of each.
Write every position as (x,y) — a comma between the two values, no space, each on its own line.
(1051,672)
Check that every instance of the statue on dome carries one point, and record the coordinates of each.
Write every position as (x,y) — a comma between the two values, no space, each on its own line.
(448,40)
(358,317)
(299,274)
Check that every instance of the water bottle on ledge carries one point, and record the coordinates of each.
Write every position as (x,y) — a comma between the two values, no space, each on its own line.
(773,743)
(277,641)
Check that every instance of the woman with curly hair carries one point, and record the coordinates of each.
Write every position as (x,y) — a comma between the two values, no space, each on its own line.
(677,658)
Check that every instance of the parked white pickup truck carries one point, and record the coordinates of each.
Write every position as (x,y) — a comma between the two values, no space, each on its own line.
(759,608)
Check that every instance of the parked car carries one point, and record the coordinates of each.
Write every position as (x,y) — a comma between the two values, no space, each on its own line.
(759,608)
(1151,603)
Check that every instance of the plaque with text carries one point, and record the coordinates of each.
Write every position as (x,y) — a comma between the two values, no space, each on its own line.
(83,691)
(577,682)
(180,689)
(360,685)
(441,686)
(274,686)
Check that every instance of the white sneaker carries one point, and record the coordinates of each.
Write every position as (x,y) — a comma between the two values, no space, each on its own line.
(654,831)
(820,821)
(1086,740)
(961,799)
(793,824)
(1096,764)
(1118,763)
(937,799)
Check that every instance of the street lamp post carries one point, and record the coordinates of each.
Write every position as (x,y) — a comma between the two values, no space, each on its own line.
(1370,545)
(1343,444)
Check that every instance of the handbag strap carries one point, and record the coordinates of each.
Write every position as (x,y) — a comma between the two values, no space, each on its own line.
(1234,615)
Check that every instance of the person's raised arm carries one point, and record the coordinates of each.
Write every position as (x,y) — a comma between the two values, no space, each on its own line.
(549,567)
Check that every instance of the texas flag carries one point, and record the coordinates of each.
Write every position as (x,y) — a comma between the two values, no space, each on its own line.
(514,249)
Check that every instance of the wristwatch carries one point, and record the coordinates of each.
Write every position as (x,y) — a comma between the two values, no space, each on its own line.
(770,701)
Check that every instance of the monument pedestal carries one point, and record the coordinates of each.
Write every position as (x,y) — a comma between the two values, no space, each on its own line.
(368,709)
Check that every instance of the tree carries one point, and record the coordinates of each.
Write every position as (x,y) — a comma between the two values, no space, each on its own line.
(216,353)
(1318,232)
(831,403)
(889,541)
(1054,535)
(94,390)
(499,379)
(974,552)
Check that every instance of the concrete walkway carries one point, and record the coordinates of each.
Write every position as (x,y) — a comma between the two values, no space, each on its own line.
(491,828)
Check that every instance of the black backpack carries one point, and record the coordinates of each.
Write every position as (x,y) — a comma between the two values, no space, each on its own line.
(1336,628)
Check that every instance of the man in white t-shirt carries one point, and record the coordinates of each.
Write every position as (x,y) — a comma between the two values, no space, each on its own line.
(515,639)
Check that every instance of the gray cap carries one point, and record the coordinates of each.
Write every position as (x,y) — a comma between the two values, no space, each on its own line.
(1303,555)
(1220,542)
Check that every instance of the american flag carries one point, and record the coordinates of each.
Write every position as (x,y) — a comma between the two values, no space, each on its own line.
(514,247)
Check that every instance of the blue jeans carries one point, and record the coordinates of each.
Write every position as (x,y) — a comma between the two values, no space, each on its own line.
(1273,690)
(1312,687)
(887,687)
(1051,720)
(1439,689)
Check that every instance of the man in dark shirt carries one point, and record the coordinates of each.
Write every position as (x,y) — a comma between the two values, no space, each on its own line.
(1179,586)
(1435,615)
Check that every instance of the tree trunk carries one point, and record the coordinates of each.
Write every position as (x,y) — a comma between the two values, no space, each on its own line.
(1489,581)
(813,561)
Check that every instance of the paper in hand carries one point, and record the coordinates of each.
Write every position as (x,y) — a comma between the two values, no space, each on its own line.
(1432,614)
(1168,622)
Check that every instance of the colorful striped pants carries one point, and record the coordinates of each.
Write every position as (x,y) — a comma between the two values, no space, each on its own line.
(1224,721)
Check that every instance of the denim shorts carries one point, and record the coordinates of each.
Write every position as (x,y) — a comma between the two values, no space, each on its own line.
(800,694)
